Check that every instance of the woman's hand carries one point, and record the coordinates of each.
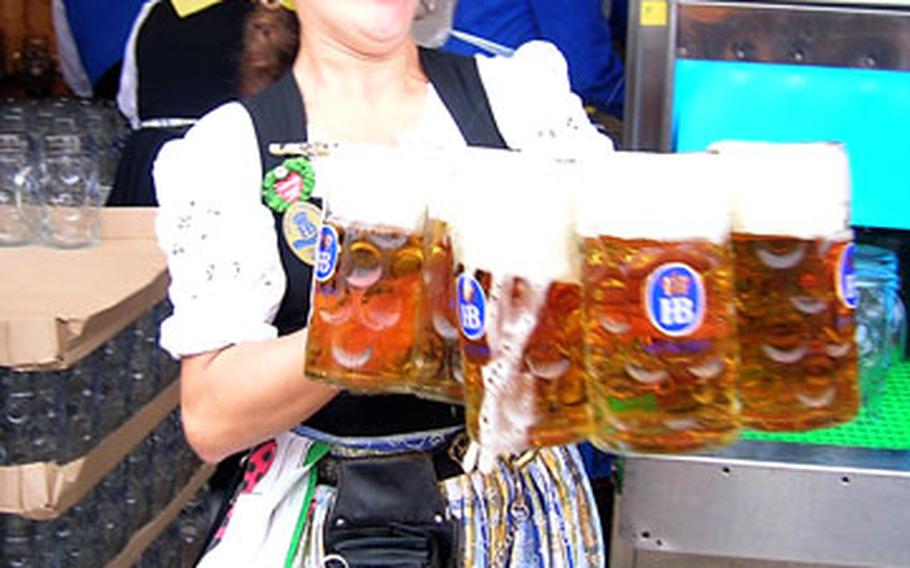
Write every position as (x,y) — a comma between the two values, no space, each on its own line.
(238,396)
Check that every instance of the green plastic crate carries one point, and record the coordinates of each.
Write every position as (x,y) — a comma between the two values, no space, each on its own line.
(889,429)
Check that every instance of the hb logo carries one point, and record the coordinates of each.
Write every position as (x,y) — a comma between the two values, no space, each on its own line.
(675,299)
(676,311)
(327,253)
(846,277)
(471,307)
(307,230)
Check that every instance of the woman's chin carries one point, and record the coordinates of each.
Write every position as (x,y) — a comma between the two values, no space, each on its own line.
(386,21)
(382,39)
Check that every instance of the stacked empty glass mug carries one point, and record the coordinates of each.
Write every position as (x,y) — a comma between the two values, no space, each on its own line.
(57,161)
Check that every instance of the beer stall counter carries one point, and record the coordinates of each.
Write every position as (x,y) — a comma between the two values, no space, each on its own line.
(700,71)
(93,467)
(836,496)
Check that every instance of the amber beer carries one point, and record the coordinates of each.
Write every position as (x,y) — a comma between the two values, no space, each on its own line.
(657,279)
(524,373)
(367,291)
(439,374)
(519,307)
(795,289)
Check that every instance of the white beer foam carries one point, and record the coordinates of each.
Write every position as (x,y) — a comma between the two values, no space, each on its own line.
(515,216)
(444,196)
(376,185)
(796,189)
(668,197)
(507,410)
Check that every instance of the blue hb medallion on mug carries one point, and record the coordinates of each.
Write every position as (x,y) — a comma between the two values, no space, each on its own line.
(327,254)
(471,307)
(846,277)
(675,299)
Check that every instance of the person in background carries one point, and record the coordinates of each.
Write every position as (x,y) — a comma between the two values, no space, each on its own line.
(90,37)
(348,71)
(617,13)
(578,28)
(180,61)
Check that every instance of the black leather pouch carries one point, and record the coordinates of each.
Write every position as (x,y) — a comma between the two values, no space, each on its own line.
(389,512)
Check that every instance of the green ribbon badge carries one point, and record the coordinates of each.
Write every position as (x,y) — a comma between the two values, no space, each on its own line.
(289,183)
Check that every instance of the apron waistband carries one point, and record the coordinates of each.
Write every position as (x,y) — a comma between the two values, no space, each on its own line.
(343,446)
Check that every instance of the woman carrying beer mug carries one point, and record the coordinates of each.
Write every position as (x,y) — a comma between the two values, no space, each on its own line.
(334,478)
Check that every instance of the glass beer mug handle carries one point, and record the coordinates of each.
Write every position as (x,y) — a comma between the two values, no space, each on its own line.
(897,330)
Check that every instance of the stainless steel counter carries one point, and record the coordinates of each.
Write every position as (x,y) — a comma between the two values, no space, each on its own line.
(771,501)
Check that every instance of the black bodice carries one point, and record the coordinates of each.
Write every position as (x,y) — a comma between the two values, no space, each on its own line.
(280,117)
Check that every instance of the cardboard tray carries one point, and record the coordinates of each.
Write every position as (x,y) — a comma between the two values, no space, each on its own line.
(56,306)
(45,490)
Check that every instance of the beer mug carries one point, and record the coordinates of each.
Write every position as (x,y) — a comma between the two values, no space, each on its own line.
(880,321)
(795,284)
(20,195)
(72,197)
(366,294)
(439,374)
(519,304)
(657,278)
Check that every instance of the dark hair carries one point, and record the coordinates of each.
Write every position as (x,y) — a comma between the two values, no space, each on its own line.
(270,41)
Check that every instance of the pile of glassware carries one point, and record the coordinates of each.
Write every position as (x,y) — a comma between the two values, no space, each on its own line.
(58,158)
(180,544)
(881,321)
(96,529)
(61,415)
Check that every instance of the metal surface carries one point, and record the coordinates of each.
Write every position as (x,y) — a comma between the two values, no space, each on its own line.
(763,500)
(810,35)
(649,53)
(868,36)
(769,501)
(852,3)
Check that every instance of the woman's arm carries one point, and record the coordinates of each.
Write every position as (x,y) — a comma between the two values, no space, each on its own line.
(240,383)
(235,397)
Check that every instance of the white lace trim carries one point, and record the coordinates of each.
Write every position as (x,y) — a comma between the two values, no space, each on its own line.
(220,241)
(534,106)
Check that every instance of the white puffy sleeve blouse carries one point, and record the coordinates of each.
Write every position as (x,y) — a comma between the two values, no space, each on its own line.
(226,276)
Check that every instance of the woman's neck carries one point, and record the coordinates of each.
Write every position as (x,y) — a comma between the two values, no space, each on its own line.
(325,63)
(357,96)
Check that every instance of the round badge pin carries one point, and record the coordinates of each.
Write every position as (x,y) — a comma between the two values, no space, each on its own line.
(289,183)
(300,226)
